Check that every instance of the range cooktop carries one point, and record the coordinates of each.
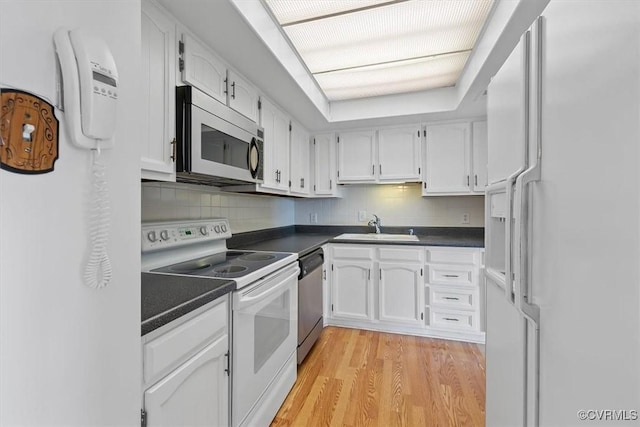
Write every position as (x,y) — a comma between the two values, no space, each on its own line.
(229,264)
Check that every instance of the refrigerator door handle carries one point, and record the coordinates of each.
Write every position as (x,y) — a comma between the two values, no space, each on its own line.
(532,174)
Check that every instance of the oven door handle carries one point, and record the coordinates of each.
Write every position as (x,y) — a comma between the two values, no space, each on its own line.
(257,293)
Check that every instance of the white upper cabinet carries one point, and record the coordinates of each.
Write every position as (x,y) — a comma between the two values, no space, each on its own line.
(324,160)
(242,96)
(276,146)
(399,154)
(479,156)
(300,162)
(384,155)
(356,156)
(202,69)
(447,159)
(158,93)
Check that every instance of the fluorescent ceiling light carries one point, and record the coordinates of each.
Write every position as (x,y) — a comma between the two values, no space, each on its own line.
(397,46)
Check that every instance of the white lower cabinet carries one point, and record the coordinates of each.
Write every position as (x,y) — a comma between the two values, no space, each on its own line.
(417,290)
(401,294)
(186,370)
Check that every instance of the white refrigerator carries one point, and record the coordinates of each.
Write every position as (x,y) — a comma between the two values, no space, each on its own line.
(563,221)
(69,354)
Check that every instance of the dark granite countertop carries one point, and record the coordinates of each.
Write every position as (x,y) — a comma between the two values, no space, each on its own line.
(166,297)
(306,238)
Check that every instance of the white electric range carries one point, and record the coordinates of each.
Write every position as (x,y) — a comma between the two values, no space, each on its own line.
(264,307)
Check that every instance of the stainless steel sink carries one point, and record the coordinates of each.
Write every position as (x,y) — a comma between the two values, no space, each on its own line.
(378,237)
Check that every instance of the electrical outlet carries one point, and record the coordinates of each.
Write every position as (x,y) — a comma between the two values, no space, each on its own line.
(314,218)
(465,218)
(362,216)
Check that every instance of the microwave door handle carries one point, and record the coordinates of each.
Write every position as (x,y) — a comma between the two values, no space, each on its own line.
(251,298)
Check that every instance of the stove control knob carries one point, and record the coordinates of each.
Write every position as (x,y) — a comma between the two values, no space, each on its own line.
(217,229)
(224,228)
(152,236)
(164,235)
(204,231)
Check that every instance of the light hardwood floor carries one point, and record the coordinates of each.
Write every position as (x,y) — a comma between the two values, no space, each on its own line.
(363,378)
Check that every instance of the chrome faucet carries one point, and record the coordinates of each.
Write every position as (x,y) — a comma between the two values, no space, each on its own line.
(377,222)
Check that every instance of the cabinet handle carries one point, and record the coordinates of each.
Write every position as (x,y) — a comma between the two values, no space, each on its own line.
(173,149)
(226,86)
(301,182)
(451,298)
(233,90)
(373,169)
(475,180)
(324,274)
(380,168)
(421,316)
(330,184)
(369,274)
(227,370)
(380,274)
(467,180)
(451,275)
(451,319)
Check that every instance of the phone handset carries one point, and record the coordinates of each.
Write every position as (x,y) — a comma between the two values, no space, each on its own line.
(90,88)
(90,95)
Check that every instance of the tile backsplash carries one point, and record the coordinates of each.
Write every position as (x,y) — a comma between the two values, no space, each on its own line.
(395,204)
(246,212)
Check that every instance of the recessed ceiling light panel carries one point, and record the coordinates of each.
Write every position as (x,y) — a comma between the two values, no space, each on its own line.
(341,41)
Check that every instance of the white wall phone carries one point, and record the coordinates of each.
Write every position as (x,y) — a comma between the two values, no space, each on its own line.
(90,82)
(90,96)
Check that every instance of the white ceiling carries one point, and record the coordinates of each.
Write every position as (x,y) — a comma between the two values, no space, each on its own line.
(243,33)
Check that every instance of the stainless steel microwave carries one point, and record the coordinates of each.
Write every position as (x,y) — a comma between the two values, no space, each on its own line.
(215,145)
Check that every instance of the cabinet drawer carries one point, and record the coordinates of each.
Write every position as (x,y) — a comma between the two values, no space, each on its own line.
(460,299)
(167,351)
(452,319)
(452,275)
(352,252)
(453,256)
(400,254)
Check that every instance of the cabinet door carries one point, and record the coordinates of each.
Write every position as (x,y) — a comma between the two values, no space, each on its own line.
(276,146)
(158,94)
(356,156)
(479,156)
(399,154)
(351,291)
(448,158)
(203,69)
(300,163)
(243,97)
(196,393)
(401,293)
(324,147)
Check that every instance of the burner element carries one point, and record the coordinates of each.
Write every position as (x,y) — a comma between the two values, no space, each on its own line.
(257,257)
(229,269)
(197,265)
(234,253)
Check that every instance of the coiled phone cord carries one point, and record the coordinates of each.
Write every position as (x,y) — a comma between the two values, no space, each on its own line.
(97,273)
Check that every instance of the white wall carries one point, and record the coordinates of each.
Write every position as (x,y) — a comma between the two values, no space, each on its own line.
(400,205)
(246,212)
(69,355)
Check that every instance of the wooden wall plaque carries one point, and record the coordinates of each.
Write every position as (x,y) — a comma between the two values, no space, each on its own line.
(28,133)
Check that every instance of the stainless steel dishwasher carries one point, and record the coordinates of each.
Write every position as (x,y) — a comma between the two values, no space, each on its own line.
(309,302)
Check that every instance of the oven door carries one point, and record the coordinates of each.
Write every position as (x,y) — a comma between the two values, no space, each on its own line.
(221,149)
(264,336)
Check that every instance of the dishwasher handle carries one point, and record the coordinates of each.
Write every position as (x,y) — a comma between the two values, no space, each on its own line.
(309,263)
